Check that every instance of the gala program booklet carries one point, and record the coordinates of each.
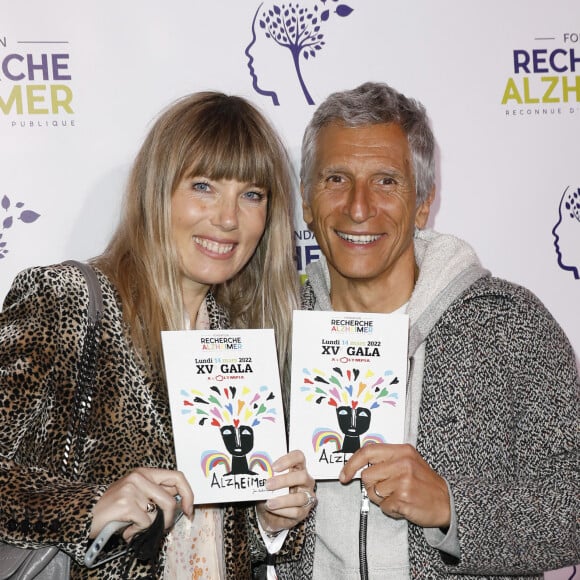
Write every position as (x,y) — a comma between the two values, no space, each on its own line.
(226,410)
(349,373)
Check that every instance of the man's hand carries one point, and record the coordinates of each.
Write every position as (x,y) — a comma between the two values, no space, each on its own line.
(401,482)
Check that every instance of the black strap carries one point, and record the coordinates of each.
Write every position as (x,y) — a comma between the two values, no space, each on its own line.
(86,372)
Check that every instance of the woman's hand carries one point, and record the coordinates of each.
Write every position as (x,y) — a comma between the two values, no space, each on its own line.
(285,511)
(135,498)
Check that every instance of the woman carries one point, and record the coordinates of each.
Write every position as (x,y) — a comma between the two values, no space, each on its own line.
(204,242)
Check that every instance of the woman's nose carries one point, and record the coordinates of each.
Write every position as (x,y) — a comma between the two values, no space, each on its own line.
(226,214)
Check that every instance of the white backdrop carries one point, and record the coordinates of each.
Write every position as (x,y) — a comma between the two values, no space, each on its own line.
(80,83)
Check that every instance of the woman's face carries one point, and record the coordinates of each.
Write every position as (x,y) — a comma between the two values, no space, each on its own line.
(216,227)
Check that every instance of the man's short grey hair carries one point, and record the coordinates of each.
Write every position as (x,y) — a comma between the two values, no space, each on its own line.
(371,104)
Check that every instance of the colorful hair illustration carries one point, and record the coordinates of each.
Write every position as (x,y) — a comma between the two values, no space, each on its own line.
(347,387)
(229,406)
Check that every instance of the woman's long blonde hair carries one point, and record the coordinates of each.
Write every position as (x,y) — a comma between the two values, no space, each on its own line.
(220,137)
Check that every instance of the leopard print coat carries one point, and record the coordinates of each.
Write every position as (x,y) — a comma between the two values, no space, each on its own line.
(42,328)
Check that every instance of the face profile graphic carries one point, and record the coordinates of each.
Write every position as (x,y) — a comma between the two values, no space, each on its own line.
(566,232)
(295,26)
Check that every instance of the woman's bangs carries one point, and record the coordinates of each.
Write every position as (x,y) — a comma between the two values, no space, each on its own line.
(240,155)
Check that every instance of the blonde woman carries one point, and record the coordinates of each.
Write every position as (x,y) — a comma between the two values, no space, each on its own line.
(205,241)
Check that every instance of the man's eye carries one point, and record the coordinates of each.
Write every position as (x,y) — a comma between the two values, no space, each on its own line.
(334,179)
(387,181)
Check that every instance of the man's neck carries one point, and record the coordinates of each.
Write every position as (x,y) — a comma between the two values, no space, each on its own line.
(378,295)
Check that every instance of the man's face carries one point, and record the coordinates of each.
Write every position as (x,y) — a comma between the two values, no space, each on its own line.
(362,202)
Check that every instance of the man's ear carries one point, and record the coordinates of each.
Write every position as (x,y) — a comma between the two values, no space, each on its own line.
(422,213)
(306,209)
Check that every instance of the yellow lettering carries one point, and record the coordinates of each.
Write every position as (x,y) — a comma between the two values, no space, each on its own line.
(566,90)
(15,98)
(548,92)
(527,98)
(511,93)
(61,102)
(33,99)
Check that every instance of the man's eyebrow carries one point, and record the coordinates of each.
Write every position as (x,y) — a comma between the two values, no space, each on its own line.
(332,169)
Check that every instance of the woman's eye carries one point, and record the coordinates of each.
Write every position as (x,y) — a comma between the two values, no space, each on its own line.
(201,186)
(254,195)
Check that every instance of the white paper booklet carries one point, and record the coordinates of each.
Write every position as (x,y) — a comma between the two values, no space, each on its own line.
(226,409)
(349,374)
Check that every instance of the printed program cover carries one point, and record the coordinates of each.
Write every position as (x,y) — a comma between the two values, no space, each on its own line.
(226,409)
(349,373)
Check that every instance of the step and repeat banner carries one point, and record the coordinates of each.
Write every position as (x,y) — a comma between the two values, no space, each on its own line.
(81,82)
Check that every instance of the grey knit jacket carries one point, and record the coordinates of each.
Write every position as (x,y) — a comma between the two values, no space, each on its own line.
(498,418)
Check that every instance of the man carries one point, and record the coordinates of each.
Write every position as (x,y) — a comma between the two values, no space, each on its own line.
(487,481)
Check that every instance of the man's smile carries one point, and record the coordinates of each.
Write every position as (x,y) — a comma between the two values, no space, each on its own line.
(358,239)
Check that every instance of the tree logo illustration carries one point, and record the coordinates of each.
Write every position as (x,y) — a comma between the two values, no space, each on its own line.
(13,212)
(296,28)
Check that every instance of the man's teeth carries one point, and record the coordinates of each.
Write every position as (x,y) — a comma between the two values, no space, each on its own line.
(212,246)
(358,239)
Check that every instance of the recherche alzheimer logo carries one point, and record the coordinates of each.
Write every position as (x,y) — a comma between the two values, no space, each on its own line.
(544,77)
(35,83)
(298,27)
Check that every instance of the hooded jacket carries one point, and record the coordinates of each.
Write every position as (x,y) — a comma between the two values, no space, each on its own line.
(492,406)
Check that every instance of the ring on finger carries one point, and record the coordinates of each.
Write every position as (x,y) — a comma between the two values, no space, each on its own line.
(310,499)
(150,507)
(377,493)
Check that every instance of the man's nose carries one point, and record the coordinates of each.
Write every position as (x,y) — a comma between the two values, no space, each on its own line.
(360,206)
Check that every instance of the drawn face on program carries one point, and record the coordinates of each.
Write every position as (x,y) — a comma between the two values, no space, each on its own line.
(239,441)
(353,422)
